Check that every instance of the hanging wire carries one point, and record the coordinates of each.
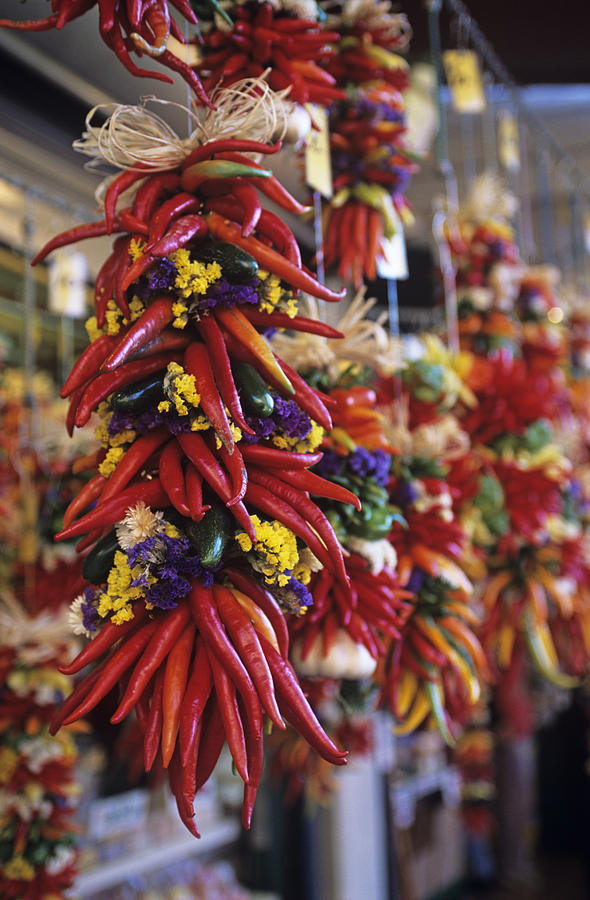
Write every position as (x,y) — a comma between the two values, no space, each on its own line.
(545,205)
(528,240)
(491,60)
(488,126)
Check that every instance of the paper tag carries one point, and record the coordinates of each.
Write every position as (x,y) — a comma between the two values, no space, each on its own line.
(464,79)
(508,141)
(318,164)
(188,53)
(393,262)
(67,293)
(118,814)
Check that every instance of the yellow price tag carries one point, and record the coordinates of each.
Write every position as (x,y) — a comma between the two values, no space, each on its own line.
(318,165)
(464,79)
(508,141)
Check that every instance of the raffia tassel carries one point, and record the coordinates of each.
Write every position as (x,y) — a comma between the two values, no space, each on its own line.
(134,136)
(35,638)
(365,342)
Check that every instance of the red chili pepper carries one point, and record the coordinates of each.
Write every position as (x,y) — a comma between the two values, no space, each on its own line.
(175,684)
(281,235)
(269,259)
(79,693)
(90,492)
(91,461)
(105,289)
(169,628)
(88,364)
(90,539)
(104,284)
(230,713)
(307,397)
(197,693)
(247,196)
(170,339)
(310,513)
(189,75)
(132,461)
(185,229)
(173,208)
(321,487)
(246,641)
(198,363)
(268,502)
(121,183)
(210,148)
(255,753)
(238,325)
(295,323)
(184,803)
(150,492)
(199,453)
(211,743)
(263,455)
(297,710)
(116,665)
(130,223)
(105,384)
(205,462)
(218,644)
(149,325)
(213,338)
(75,398)
(142,707)
(73,235)
(172,477)
(153,733)
(149,192)
(237,470)
(271,187)
(32,24)
(267,603)
(194,493)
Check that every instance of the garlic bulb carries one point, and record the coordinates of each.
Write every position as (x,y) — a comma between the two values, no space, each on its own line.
(344,660)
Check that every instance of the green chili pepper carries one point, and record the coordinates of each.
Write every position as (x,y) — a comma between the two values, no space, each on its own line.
(140,396)
(211,535)
(254,391)
(237,265)
(99,561)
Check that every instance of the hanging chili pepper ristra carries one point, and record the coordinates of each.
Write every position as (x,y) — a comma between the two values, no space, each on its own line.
(132,26)
(437,668)
(276,38)
(371,164)
(199,541)
(524,508)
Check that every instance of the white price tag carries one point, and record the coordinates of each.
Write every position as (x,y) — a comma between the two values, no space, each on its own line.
(68,273)
(117,814)
(318,163)
(393,263)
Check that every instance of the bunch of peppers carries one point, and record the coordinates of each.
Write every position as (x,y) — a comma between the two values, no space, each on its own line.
(272,38)
(342,706)
(437,667)
(197,526)
(37,856)
(371,165)
(524,507)
(131,26)
(358,458)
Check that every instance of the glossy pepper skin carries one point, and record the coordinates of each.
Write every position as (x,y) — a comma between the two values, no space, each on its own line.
(130,25)
(212,675)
